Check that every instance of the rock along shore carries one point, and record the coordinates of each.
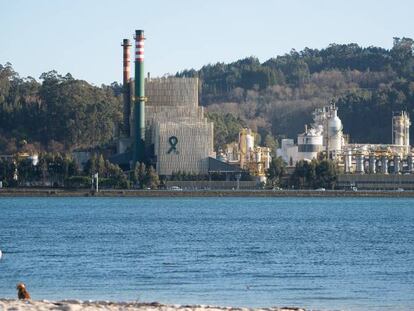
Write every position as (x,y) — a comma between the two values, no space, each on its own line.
(77,305)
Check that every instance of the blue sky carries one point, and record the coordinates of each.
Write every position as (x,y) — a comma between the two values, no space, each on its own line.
(83,37)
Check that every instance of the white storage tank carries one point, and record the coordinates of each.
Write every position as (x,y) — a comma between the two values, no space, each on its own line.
(334,131)
(310,144)
(249,140)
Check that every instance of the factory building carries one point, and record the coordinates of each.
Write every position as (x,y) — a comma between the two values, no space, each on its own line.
(163,124)
(325,138)
(324,135)
(176,126)
(401,130)
(247,156)
(288,151)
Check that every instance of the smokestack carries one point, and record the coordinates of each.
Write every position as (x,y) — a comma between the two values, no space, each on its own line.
(126,60)
(139,105)
(126,81)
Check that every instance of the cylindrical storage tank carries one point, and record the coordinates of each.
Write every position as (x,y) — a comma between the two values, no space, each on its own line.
(310,144)
(242,146)
(258,154)
(397,164)
(378,167)
(407,132)
(250,140)
(359,167)
(242,141)
(397,124)
(410,163)
(372,164)
(401,129)
(334,132)
(384,165)
(268,158)
(348,161)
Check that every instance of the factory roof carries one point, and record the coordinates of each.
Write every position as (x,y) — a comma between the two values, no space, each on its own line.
(217,166)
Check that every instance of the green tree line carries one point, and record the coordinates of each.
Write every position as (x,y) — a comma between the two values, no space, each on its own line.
(60,170)
(58,114)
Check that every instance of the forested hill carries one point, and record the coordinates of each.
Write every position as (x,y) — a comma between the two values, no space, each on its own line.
(59,114)
(277,96)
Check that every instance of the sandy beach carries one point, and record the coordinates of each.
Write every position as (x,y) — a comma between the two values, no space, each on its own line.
(75,305)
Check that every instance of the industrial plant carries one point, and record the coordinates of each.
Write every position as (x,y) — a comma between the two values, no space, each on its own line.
(163,124)
(325,139)
(248,156)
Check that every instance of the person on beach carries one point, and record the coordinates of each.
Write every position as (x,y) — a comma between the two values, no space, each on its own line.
(22,292)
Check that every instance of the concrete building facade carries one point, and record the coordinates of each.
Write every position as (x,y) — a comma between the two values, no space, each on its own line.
(181,136)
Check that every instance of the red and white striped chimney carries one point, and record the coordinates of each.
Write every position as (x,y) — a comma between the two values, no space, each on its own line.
(139,46)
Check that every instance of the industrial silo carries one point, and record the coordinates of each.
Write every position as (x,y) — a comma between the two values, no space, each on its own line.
(334,132)
(310,143)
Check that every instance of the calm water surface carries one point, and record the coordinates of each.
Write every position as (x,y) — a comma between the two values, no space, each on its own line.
(324,254)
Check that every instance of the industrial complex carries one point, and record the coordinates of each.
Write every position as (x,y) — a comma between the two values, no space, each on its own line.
(325,137)
(164,126)
(365,165)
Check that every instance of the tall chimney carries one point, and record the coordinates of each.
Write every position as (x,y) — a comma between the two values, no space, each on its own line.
(126,81)
(139,104)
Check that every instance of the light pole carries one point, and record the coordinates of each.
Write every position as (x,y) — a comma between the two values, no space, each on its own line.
(95,180)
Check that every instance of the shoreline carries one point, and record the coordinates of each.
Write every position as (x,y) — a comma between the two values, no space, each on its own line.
(75,305)
(33,192)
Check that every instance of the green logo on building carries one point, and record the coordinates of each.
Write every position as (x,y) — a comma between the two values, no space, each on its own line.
(173,145)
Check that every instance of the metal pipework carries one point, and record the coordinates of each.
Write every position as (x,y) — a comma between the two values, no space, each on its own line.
(126,85)
(139,104)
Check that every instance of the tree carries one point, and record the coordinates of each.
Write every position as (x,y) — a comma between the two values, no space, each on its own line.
(100,165)
(140,174)
(326,173)
(314,174)
(276,171)
(90,167)
(271,143)
(152,179)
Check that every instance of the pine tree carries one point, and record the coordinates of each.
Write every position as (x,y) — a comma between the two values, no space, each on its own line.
(140,174)
(152,178)
(100,165)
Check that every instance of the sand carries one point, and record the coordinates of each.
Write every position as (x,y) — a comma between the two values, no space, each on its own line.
(75,305)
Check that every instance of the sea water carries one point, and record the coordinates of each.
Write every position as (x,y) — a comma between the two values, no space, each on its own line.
(323,254)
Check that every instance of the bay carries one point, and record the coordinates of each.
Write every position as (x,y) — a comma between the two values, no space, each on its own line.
(318,253)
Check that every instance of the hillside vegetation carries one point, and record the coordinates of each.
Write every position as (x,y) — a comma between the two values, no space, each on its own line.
(274,98)
(277,96)
(58,114)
